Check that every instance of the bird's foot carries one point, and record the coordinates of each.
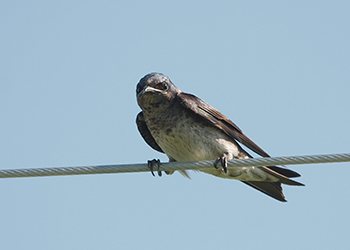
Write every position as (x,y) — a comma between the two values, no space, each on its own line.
(223,161)
(152,164)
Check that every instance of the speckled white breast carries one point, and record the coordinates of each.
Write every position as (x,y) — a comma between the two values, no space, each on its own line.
(190,141)
(184,142)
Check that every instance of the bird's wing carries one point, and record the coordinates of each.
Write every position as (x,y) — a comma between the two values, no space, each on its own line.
(213,116)
(146,134)
(220,121)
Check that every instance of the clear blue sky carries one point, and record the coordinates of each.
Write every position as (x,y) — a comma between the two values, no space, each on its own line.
(278,69)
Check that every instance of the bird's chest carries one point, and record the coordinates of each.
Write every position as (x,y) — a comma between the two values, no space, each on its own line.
(185,138)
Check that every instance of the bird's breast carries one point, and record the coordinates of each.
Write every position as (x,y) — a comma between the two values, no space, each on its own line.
(186,139)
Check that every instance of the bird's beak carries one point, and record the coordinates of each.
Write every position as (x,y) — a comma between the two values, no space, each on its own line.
(149,89)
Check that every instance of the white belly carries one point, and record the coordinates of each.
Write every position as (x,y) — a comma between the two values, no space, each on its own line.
(196,143)
(199,143)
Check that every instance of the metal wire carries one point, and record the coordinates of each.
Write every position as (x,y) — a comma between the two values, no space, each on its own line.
(195,165)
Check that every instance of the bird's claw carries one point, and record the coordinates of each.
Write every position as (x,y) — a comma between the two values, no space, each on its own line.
(223,161)
(153,163)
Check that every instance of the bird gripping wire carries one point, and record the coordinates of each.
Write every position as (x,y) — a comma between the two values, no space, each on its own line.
(173,166)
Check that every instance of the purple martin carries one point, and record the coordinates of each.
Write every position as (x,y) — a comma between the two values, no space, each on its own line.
(186,128)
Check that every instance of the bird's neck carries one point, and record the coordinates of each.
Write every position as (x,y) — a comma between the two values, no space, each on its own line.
(161,111)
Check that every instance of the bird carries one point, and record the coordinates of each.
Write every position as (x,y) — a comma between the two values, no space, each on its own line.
(186,128)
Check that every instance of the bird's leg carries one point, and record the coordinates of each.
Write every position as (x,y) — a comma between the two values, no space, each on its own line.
(223,161)
(153,163)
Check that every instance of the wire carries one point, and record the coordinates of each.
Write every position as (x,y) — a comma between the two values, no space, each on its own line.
(173,166)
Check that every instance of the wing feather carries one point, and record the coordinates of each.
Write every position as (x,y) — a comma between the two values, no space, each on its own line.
(220,121)
(217,119)
(145,133)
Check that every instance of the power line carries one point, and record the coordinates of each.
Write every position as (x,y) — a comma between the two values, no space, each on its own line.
(195,165)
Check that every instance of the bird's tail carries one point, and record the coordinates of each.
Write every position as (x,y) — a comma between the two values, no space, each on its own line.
(274,189)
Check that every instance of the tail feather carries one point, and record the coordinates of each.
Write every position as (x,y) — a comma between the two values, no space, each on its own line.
(273,189)
(284,171)
(278,172)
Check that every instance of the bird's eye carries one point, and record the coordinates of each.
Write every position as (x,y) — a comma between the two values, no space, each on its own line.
(163,86)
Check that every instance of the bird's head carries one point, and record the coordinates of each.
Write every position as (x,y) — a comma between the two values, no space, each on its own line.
(155,91)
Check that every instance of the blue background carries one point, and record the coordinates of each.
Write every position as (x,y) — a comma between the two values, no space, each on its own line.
(278,69)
